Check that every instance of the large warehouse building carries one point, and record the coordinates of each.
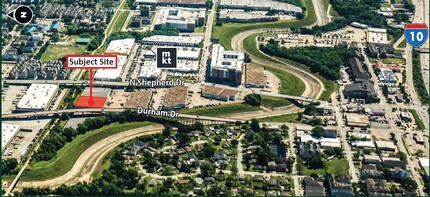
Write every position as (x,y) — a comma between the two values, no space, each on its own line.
(8,132)
(37,98)
(226,66)
(180,41)
(184,19)
(265,5)
(122,48)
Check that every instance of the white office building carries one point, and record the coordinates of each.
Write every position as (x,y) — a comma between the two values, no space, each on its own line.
(122,48)
(181,41)
(226,66)
(184,19)
(264,5)
(37,98)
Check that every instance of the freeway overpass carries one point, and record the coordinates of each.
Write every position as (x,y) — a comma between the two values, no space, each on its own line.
(100,111)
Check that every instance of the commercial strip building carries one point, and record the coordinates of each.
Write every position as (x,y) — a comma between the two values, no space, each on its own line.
(149,70)
(358,72)
(184,19)
(363,90)
(265,5)
(8,132)
(226,66)
(254,76)
(192,55)
(395,68)
(387,76)
(138,99)
(175,98)
(122,48)
(358,120)
(424,163)
(377,35)
(241,16)
(386,145)
(219,93)
(38,97)
(180,41)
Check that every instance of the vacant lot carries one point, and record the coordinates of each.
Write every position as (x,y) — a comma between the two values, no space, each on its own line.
(54,52)
(336,167)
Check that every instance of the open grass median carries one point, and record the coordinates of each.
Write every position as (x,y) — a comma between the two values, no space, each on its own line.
(271,101)
(226,32)
(122,17)
(290,84)
(418,120)
(417,75)
(220,109)
(67,156)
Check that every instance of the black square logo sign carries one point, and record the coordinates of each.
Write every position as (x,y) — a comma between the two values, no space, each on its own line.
(166,58)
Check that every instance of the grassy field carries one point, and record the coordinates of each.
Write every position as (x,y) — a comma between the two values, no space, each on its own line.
(67,156)
(402,44)
(281,118)
(291,84)
(418,120)
(200,29)
(54,52)
(274,101)
(336,167)
(220,109)
(226,32)
(394,61)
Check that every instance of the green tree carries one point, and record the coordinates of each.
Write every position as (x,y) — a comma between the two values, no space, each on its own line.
(207,169)
(253,99)
(318,132)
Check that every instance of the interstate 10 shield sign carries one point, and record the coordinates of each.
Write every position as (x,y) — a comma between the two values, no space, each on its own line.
(416,34)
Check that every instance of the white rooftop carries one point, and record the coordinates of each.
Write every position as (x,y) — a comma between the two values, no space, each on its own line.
(267,4)
(37,96)
(122,46)
(222,59)
(149,69)
(108,74)
(7,133)
(159,39)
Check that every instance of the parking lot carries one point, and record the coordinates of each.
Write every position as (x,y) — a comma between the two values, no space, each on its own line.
(11,96)
(24,138)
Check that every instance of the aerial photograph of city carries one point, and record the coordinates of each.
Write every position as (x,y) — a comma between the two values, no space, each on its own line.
(215,98)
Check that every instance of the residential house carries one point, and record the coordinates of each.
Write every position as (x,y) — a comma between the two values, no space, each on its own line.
(340,186)
(308,150)
(313,187)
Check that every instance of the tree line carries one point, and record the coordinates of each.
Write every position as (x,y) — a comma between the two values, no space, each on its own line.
(324,60)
